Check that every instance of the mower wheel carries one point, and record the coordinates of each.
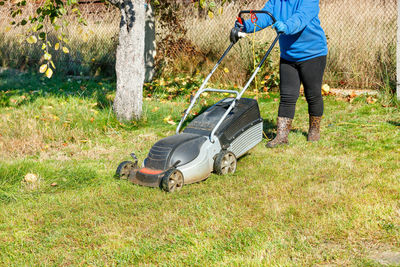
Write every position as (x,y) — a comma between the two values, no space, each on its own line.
(124,169)
(225,162)
(172,181)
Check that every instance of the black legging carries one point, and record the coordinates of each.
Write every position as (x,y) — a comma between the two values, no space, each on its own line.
(292,74)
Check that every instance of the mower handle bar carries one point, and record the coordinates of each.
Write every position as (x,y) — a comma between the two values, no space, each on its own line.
(238,95)
(255,12)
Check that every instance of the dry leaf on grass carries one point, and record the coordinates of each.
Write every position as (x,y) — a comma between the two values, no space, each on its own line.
(169,120)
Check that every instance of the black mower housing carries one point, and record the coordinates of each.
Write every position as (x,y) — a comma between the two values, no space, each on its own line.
(186,146)
(244,115)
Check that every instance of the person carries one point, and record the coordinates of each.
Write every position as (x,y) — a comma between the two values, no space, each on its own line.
(303,47)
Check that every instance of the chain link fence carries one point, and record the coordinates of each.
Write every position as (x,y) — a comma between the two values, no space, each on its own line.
(361,39)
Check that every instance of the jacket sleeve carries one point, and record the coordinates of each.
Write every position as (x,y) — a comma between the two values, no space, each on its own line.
(263,19)
(303,16)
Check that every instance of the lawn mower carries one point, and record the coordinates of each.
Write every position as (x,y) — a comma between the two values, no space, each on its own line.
(212,141)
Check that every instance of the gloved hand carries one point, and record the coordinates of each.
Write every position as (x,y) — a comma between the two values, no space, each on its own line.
(240,26)
(280,27)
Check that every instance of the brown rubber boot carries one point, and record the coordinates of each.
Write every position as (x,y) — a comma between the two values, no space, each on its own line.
(313,132)
(283,128)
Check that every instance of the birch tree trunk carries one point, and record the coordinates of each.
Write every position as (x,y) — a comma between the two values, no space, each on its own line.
(129,67)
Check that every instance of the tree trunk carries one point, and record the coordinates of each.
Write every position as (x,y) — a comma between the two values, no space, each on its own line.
(150,46)
(129,67)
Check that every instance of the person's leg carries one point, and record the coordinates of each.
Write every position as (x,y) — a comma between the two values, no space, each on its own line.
(311,75)
(289,88)
(289,92)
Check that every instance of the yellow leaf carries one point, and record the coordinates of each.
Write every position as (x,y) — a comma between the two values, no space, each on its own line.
(221,10)
(65,50)
(31,39)
(7,29)
(57,46)
(43,68)
(169,120)
(52,64)
(49,73)
(325,88)
(210,14)
(226,70)
(47,56)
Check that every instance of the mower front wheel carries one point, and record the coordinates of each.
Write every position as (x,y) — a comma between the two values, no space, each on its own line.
(124,169)
(172,181)
(225,162)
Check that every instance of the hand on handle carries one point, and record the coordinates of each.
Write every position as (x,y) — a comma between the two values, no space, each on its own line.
(280,27)
(240,25)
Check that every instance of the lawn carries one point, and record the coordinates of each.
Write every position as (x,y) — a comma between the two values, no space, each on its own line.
(335,202)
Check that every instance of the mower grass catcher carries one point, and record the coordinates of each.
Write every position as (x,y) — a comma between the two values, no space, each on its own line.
(213,141)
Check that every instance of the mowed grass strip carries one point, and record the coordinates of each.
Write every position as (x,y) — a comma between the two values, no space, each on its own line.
(332,202)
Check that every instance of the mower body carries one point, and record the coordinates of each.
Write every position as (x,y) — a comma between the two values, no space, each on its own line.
(194,151)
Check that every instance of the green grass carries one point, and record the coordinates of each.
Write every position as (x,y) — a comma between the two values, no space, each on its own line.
(332,202)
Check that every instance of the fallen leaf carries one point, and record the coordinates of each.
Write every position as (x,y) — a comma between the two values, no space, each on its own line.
(371,100)
(54,184)
(325,89)
(169,120)
(30,178)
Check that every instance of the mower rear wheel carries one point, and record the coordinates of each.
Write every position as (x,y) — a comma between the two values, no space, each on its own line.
(225,162)
(124,169)
(172,181)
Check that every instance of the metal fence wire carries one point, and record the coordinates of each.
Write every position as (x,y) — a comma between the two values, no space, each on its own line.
(361,39)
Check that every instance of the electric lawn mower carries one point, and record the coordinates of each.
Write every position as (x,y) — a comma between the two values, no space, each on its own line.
(212,141)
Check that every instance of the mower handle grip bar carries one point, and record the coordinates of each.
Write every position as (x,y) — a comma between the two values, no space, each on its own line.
(255,12)
(238,94)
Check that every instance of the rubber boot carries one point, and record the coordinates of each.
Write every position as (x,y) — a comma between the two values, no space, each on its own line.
(313,131)
(283,128)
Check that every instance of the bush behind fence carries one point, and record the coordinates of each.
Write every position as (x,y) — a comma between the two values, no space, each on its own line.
(361,39)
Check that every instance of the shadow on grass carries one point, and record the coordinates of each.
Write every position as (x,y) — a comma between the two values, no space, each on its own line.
(269,127)
(19,88)
(69,177)
(394,123)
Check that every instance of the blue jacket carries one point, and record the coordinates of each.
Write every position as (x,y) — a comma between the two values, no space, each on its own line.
(305,38)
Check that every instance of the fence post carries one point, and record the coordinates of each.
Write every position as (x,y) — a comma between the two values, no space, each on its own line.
(398,51)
